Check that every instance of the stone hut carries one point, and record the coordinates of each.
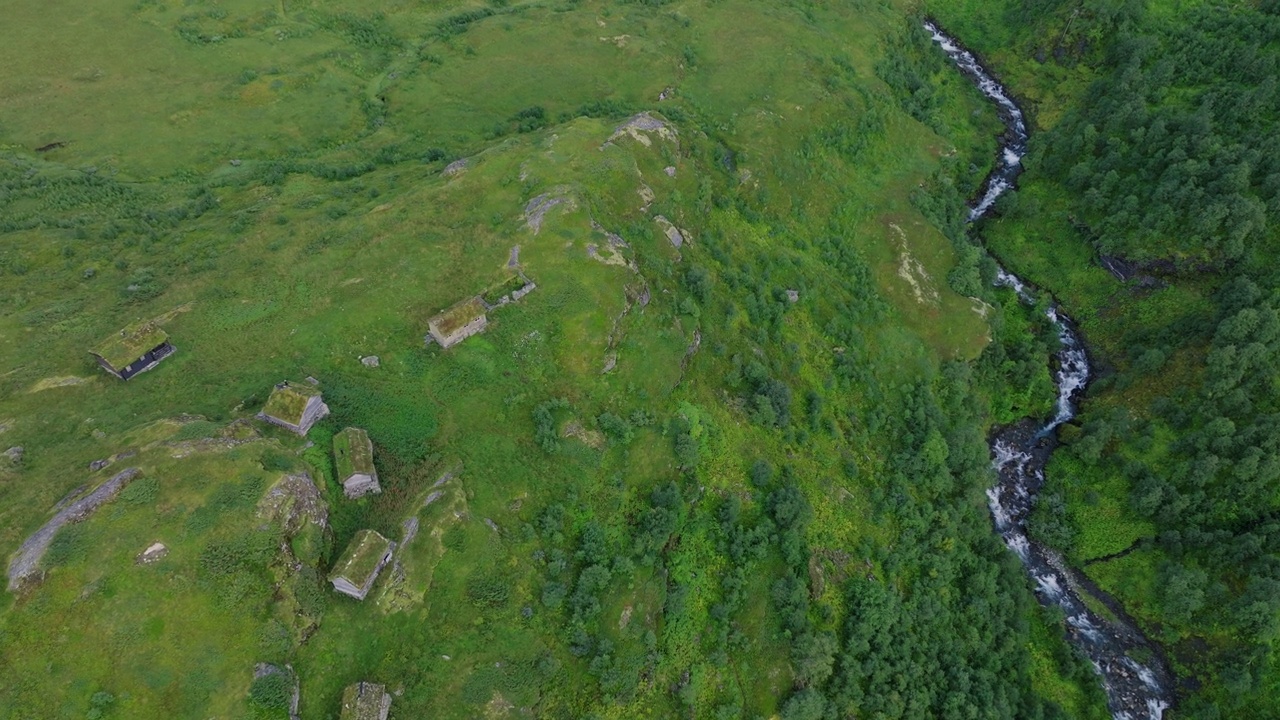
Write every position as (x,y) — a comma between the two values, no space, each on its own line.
(294,406)
(459,322)
(358,568)
(365,701)
(133,350)
(353,456)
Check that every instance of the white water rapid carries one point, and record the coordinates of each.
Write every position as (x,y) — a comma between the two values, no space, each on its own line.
(1136,690)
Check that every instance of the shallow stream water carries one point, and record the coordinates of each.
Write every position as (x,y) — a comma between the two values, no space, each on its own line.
(1136,690)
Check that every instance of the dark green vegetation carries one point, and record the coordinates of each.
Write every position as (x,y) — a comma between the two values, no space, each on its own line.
(1159,125)
(739,478)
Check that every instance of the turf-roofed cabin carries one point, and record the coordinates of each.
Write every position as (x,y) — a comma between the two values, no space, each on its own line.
(365,701)
(135,349)
(353,456)
(295,406)
(358,568)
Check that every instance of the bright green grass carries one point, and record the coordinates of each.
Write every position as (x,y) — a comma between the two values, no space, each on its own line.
(169,638)
(306,260)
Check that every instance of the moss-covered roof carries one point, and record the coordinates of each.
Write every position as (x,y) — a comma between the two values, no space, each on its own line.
(131,343)
(362,701)
(289,401)
(457,316)
(352,453)
(361,558)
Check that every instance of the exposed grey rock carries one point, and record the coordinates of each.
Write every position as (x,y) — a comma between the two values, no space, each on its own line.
(528,288)
(537,208)
(670,170)
(97,465)
(456,167)
(370,361)
(793,296)
(14,454)
(672,232)
(410,530)
(153,553)
(293,501)
(26,561)
(312,380)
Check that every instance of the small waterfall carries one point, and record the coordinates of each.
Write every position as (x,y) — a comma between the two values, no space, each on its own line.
(1135,691)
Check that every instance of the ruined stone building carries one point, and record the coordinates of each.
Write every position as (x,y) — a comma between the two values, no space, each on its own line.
(459,322)
(365,701)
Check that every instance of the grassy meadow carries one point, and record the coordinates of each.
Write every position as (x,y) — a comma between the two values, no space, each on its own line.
(663,484)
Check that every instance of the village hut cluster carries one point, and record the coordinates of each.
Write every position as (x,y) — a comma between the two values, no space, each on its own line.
(297,407)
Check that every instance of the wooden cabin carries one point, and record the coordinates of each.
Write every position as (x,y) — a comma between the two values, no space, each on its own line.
(353,457)
(135,349)
(294,406)
(358,568)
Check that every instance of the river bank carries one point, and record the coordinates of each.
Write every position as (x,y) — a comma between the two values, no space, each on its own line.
(1135,689)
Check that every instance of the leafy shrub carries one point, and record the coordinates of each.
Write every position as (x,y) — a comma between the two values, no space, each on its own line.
(553,594)
(614,427)
(71,544)
(141,492)
(530,119)
(458,24)
(309,592)
(698,280)
(142,285)
(455,538)
(487,590)
(761,473)
(276,461)
(544,424)
(196,430)
(272,691)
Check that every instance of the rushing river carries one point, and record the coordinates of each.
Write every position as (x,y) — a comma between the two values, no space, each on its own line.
(1137,689)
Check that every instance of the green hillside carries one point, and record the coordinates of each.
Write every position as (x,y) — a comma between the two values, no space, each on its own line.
(726,459)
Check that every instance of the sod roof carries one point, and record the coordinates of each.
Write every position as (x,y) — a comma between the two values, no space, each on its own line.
(352,453)
(289,400)
(131,343)
(362,701)
(361,558)
(457,316)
